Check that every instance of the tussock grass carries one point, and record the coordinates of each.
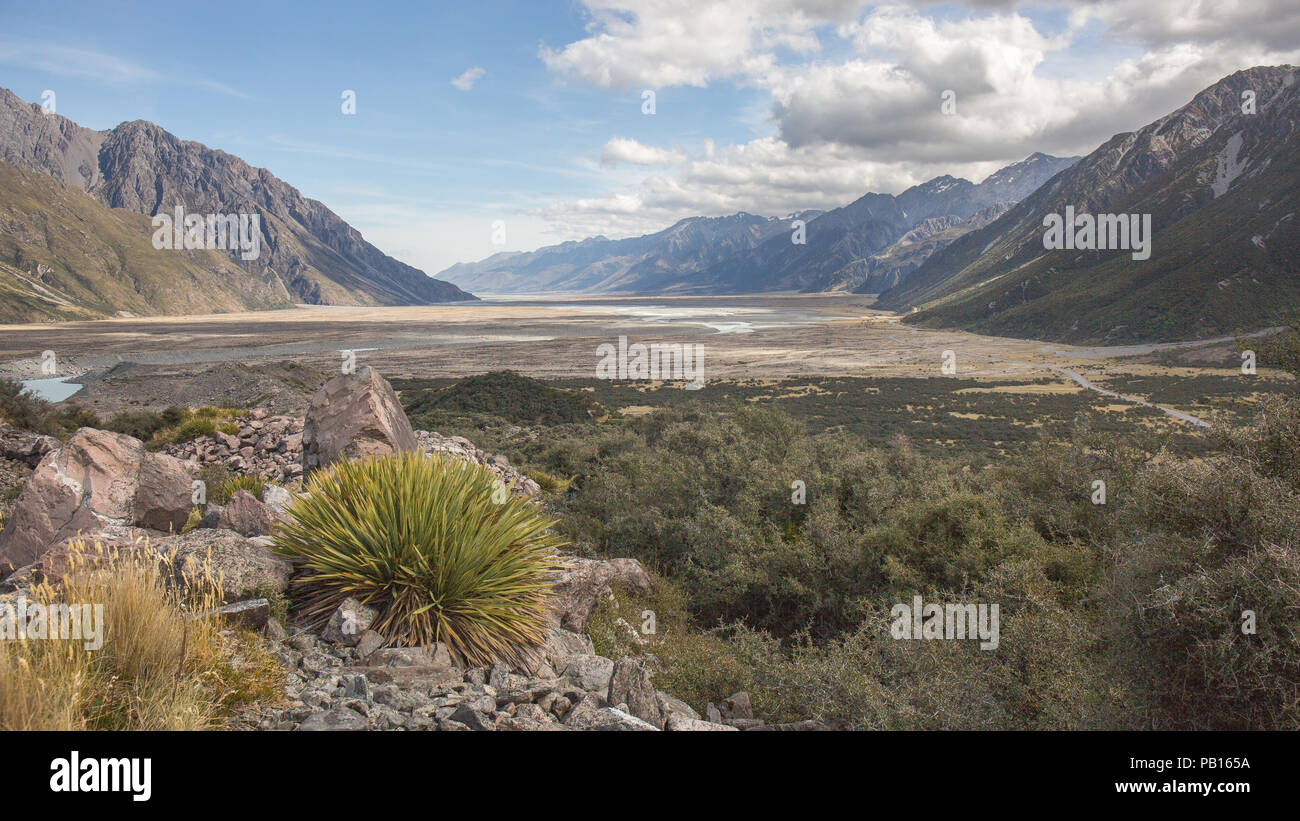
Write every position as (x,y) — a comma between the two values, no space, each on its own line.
(252,483)
(550,483)
(161,667)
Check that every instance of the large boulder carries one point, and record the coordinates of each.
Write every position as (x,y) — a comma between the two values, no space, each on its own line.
(244,568)
(96,482)
(353,416)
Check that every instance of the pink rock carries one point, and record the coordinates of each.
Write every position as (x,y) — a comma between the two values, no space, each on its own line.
(96,481)
(354,416)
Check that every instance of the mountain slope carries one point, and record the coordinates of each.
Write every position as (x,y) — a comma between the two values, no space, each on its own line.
(1223,191)
(140,167)
(889,267)
(63,255)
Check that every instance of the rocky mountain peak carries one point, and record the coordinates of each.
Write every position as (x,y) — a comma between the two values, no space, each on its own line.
(141,167)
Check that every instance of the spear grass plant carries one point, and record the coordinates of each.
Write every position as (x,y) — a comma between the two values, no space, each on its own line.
(433,546)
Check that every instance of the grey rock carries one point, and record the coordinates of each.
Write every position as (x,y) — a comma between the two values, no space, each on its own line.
(251,614)
(369,642)
(584,582)
(630,685)
(245,515)
(95,481)
(354,416)
(670,706)
(738,706)
(678,724)
(245,568)
(356,686)
(473,719)
(275,631)
(562,645)
(499,676)
(349,620)
(277,499)
(589,715)
(338,719)
(589,672)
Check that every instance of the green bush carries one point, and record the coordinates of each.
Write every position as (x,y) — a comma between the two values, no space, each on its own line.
(505,394)
(424,542)
(549,483)
(214,476)
(183,424)
(144,424)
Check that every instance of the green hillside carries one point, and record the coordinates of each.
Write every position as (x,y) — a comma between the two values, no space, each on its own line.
(65,256)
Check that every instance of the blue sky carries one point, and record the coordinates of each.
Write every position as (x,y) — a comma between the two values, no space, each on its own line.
(764,106)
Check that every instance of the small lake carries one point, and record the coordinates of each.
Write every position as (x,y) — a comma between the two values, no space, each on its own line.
(51,390)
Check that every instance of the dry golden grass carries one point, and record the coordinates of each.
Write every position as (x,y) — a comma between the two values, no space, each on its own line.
(161,667)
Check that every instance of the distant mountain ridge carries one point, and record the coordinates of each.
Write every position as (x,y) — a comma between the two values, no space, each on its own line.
(844,242)
(650,263)
(308,253)
(867,245)
(1222,186)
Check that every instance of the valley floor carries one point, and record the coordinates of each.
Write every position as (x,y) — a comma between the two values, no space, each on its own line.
(216,359)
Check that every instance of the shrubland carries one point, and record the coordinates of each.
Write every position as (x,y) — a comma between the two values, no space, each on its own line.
(1170,605)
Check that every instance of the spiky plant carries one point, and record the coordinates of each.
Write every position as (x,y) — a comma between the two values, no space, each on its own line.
(436,546)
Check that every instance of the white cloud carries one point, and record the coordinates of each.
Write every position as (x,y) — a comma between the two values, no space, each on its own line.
(74,62)
(871,120)
(624,150)
(661,43)
(471,76)
(765,176)
(1270,24)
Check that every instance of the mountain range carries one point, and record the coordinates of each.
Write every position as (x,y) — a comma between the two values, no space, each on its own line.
(1220,179)
(64,254)
(866,246)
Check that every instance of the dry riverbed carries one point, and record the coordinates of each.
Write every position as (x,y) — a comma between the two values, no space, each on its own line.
(267,356)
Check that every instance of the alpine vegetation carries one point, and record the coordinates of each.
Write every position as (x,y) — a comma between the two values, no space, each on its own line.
(1103,232)
(433,546)
(950,621)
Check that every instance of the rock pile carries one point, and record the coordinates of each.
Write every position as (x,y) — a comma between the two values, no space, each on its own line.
(271,447)
(352,416)
(266,446)
(347,679)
